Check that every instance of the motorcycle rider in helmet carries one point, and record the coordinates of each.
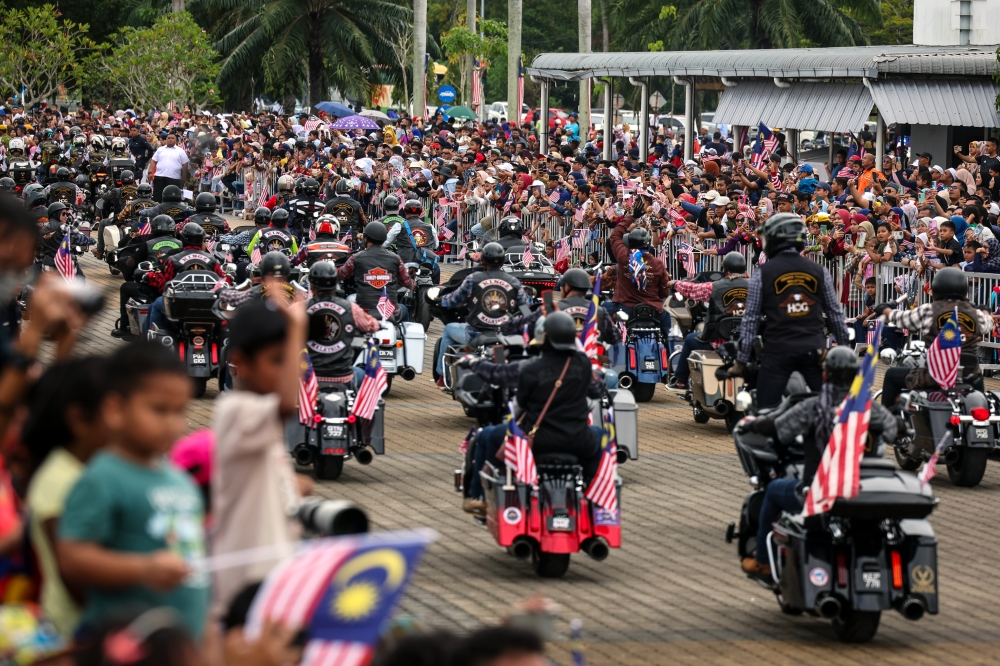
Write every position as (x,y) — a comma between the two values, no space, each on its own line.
(55,230)
(641,278)
(19,167)
(172,205)
(276,237)
(333,324)
(192,257)
(812,419)
(281,198)
(241,240)
(7,185)
(390,206)
(949,289)
(327,231)
(726,298)
(511,232)
(138,207)
(205,216)
(49,152)
(120,159)
(345,208)
(793,293)
(155,248)
(98,152)
(493,297)
(63,189)
(377,271)
(113,204)
(305,207)
(78,150)
(415,240)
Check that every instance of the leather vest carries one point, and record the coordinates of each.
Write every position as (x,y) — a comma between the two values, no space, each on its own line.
(422,236)
(493,300)
(790,300)
(729,299)
(331,331)
(576,307)
(303,210)
(325,248)
(192,259)
(374,269)
(275,239)
(507,242)
(390,220)
(211,223)
(140,206)
(347,212)
(49,151)
(127,193)
(968,322)
(157,249)
(63,191)
(176,210)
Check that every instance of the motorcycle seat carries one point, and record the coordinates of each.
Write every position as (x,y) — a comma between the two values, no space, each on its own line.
(489,338)
(557,459)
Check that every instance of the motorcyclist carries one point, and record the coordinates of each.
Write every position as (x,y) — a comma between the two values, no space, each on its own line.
(205,216)
(192,257)
(281,198)
(415,240)
(305,207)
(390,206)
(793,293)
(949,289)
(726,298)
(345,208)
(172,205)
(57,226)
(78,151)
(240,241)
(276,237)
(493,297)
(812,419)
(7,185)
(138,206)
(111,205)
(376,271)
(318,249)
(63,189)
(120,159)
(155,248)
(19,167)
(641,277)
(49,152)
(511,232)
(98,152)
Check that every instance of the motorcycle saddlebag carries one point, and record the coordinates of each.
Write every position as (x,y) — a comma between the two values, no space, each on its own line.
(627,423)
(413,339)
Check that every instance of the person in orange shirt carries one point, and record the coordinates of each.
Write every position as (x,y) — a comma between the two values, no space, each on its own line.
(870,176)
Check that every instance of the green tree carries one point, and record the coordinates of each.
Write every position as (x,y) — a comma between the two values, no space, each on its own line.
(460,42)
(41,52)
(897,24)
(170,61)
(341,43)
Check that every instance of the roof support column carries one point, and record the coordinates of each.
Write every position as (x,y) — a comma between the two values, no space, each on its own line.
(793,146)
(643,85)
(543,132)
(689,130)
(879,139)
(609,117)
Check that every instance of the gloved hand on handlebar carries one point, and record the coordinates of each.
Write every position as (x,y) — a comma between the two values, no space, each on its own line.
(735,370)
(762,425)
(468,361)
(882,308)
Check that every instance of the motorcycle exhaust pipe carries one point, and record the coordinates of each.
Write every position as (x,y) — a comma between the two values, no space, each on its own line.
(597,548)
(364,456)
(952,455)
(625,382)
(622,456)
(407,373)
(912,609)
(521,548)
(303,455)
(721,407)
(828,607)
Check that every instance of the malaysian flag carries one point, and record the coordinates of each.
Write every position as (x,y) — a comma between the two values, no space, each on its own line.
(579,239)
(385,306)
(265,196)
(341,591)
(517,454)
(527,258)
(562,249)
(312,124)
(838,475)
(637,267)
(464,446)
(944,353)
(588,334)
(687,259)
(520,93)
(308,390)
(602,490)
(255,255)
(677,217)
(372,387)
(855,148)
(764,146)
(477,85)
(447,233)
(871,328)
(747,210)
(64,258)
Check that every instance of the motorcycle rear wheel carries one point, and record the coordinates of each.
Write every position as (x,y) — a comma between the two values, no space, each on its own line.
(550,565)
(643,392)
(421,311)
(328,468)
(904,460)
(968,471)
(854,626)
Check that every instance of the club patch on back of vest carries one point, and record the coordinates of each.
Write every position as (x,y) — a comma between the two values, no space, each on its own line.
(735,301)
(378,277)
(419,237)
(796,279)
(965,322)
(797,305)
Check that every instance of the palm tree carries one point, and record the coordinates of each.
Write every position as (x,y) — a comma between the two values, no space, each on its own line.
(329,43)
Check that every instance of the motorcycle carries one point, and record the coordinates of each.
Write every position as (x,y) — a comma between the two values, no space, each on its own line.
(100,180)
(641,359)
(416,299)
(400,349)
(868,554)
(537,276)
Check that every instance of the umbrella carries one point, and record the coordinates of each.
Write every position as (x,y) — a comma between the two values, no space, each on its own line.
(374,114)
(355,123)
(461,112)
(334,109)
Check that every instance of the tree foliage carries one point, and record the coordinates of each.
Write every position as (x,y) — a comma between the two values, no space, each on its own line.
(42,52)
(460,42)
(172,60)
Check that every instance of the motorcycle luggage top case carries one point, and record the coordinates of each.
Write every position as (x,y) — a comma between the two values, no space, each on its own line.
(886,492)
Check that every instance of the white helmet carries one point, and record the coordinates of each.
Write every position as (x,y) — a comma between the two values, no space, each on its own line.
(79,140)
(119,144)
(97,142)
(286,183)
(16,144)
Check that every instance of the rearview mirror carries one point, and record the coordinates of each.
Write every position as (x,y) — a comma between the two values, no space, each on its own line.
(621,315)
(887,356)
(145,266)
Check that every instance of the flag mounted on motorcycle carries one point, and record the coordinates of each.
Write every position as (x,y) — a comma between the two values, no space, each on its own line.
(517,454)
(372,386)
(945,353)
(588,334)
(602,490)
(308,391)
(64,258)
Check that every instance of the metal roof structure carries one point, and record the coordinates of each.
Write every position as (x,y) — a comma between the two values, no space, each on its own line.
(956,102)
(831,107)
(841,62)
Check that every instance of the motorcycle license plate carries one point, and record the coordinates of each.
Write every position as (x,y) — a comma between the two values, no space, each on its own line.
(197,359)
(649,365)
(872,580)
(331,431)
(560,524)
(387,353)
(982,433)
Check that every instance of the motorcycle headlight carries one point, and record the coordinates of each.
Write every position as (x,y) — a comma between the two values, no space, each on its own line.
(224,247)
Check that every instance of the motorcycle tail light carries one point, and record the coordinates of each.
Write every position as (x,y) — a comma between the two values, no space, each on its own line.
(399,343)
(631,358)
(351,418)
(215,354)
(841,569)
(180,345)
(955,419)
(897,570)
(980,413)
(663,357)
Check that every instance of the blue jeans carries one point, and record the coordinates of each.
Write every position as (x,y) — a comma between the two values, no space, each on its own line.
(479,234)
(691,343)
(612,308)
(158,316)
(456,334)
(779,496)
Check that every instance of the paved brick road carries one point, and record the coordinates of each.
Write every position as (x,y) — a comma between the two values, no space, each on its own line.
(674,593)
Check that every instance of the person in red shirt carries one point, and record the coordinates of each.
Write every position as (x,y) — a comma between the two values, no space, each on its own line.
(641,277)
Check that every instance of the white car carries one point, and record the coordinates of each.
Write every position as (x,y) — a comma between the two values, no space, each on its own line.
(498,110)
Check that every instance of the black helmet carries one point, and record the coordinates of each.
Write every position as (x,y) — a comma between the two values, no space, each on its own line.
(493,254)
(276,264)
(840,365)
(62,173)
(510,226)
(171,193)
(323,276)
(54,209)
(310,187)
(127,177)
(376,232)
(82,181)
(163,225)
(30,189)
(783,231)
(262,216)
(205,202)
(279,218)
(950,284)
(734,262)
(576,278)
(7,184)
(343,186)
(144,190)
(35,201)
(638,239)
(560,331)
(413,208)
(390,204)
(192,234)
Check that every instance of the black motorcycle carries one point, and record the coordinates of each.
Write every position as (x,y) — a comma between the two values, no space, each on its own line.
(871,553)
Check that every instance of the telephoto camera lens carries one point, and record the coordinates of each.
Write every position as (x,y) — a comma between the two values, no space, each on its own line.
(326,517)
